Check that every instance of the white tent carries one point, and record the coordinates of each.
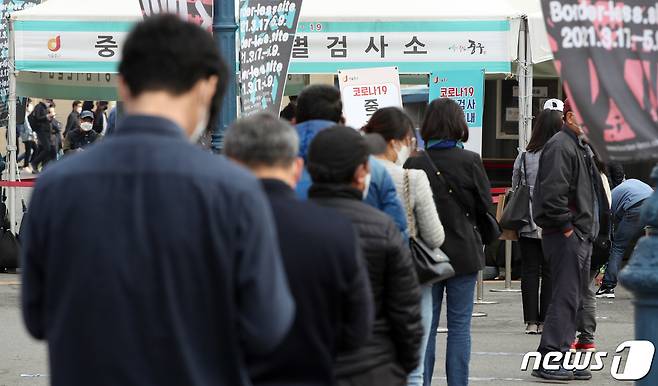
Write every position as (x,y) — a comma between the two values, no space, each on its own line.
(63,36)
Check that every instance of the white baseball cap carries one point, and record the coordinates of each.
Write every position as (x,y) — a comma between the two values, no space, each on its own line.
(554,104)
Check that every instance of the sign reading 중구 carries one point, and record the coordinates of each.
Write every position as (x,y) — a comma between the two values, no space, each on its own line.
(467,89)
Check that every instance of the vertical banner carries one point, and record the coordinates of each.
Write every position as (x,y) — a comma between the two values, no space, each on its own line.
(267,32)
(196,11)
(6,8)
(364,91)
(607,55)
(467,89)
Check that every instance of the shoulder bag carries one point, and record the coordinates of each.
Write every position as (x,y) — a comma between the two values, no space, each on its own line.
(487,225)
(517,210)
(432,265)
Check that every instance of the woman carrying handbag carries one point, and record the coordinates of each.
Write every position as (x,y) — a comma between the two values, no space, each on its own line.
(414,191)
(536,269)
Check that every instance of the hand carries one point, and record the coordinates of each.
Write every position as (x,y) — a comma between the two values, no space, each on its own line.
(598,279)
(568,233)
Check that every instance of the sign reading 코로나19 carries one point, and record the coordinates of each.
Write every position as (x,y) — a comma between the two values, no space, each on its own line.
(267,32)
(7,7)
(607,55)
(467,89)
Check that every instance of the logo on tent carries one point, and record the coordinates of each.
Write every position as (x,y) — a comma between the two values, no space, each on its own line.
(55,44)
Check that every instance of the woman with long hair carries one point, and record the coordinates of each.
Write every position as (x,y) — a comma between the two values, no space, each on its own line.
(535,265)
(462,194)
(397,129)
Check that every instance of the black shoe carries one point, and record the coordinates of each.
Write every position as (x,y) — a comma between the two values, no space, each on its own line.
(582,375)
(605,292)
(561,374)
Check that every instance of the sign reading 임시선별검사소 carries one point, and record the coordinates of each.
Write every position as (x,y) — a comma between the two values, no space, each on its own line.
(607,55)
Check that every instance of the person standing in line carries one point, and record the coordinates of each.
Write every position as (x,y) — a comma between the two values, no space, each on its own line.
(566,207)
(28,137)
(73,120)
(331,287)
(320,107)
(627,201)
(397,129)
(444,131)
(187,279)
(100,117)
(338,164)
(536,267)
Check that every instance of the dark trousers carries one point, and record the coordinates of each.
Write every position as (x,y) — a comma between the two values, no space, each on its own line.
(570,261)
(536,266)
(30,151)
(46,150)
(389,374)
(627,231)
(587,312)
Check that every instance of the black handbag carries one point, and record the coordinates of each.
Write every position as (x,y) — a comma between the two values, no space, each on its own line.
(517,210)
(487,225)
(432,265)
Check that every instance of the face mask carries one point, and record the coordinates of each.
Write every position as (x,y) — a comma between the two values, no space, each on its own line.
(367,183)
(86,126)
(201,126)
(78,110)
(403,155)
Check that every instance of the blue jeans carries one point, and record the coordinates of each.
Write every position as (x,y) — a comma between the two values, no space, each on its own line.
(459,305)
(426,306)
(629,227)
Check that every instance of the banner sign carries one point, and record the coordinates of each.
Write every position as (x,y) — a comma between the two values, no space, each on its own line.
(197,11)
(467,89)
(7,7)
(71,86)
(267,32)
(367,90)
(79,46)
(607,55)
(412,46)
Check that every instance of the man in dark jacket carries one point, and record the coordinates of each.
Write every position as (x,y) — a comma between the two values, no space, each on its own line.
(323,261)
(338,164)
(187,278)
(40,121)
(83,136)
(73,120)
(566,207)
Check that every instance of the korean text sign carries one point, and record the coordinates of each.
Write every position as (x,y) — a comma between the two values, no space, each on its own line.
(364,91)
(607,55)
(467,89)
(267,32)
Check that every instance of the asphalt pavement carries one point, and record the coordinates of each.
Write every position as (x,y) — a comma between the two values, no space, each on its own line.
(497,349)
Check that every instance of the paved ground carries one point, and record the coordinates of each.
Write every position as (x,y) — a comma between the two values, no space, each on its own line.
(498,340)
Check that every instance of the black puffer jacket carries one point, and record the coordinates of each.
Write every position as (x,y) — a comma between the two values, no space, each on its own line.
(398,330)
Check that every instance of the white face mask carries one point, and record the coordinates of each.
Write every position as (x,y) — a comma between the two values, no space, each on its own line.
(403,155)
(86,126)
(201,126)
(367,183)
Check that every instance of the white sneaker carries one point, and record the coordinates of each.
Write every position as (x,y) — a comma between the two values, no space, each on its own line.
(531,329)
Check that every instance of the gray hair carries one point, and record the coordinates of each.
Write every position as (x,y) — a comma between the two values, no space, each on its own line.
(261,139)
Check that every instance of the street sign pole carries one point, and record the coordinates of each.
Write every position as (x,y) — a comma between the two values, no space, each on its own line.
(224,28)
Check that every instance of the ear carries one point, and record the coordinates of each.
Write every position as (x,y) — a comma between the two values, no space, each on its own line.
(298,169)
(359,179)
(124,91)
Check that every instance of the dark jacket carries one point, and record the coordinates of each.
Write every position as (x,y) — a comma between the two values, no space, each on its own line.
(397,330)
(462,169)
(72,122)
(78,139)
(39,119)
(185,280)
(565,197)
(329,281)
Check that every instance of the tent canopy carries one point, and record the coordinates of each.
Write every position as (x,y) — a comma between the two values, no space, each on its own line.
(87,10)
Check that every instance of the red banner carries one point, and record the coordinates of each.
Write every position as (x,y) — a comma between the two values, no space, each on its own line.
(606,53)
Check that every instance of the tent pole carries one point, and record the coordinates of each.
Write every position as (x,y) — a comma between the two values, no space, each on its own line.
(525,85)
(224,28)
(11,128)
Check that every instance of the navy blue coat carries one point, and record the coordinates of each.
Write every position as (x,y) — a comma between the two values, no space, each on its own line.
(331,287)
(169,273)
